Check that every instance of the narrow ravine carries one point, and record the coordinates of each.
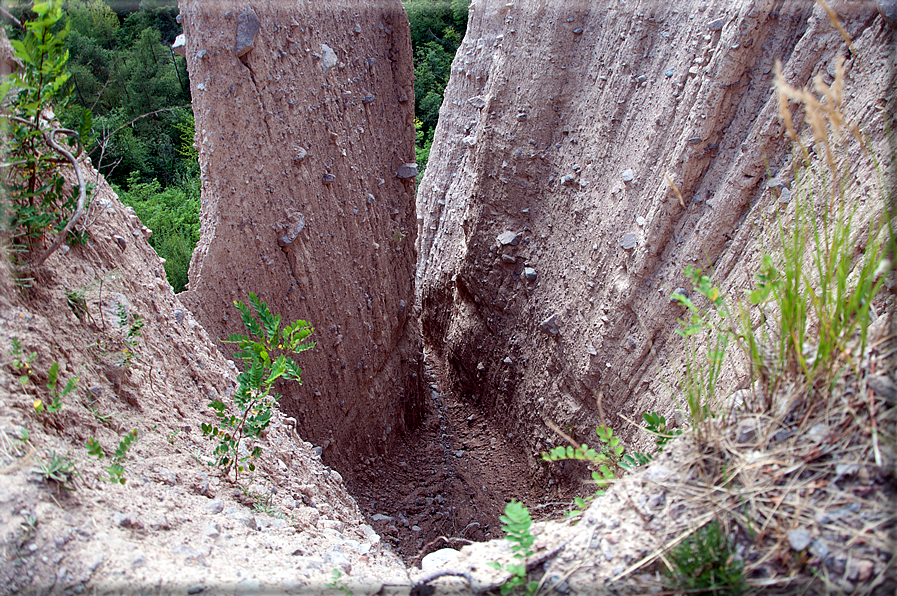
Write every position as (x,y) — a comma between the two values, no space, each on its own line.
(446,484)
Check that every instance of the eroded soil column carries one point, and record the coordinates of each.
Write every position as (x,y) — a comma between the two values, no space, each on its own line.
(304,125)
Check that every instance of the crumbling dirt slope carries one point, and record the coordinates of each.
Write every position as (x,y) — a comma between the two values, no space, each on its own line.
(303,124)
(550,239)
(174,524)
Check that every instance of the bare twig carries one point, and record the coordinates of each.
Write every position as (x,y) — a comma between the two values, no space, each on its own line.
(106,84)
(8,16)
(102,144)
(434,575)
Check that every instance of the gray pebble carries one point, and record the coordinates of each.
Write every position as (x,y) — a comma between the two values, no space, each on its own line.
(214,506)
(242,516)
(819,549)
(247,29)
(407,171)
(799,539)
(508,238)
(629,241)
(550,325)
(784,195)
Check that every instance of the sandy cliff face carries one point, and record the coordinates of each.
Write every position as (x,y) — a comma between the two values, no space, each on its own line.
(550,241)
(304,126)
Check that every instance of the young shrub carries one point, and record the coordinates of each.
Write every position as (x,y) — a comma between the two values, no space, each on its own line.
(56,394)
(250,412)
(37,202)
(656,425)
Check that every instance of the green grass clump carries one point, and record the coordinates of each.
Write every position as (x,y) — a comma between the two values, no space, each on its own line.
(704,563)
(56,468)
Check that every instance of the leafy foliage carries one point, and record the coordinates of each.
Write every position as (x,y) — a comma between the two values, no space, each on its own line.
(608,463)
(173,216)
(56,394)
(253,399)
(517,523)
(338,583)
(57,469)
(705,563)
(656,425)
(603,463)
(21,362)
(37,201)
(702,372)
(437,27)
(122,67)
(116,469)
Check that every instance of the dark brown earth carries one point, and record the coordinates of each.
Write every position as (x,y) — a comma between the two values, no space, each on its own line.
(446,484)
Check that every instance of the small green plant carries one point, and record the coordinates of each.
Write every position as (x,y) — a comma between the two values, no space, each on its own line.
(172,437)
(605,465)
(21,362)
(56,394)
(338,583)
(29,525)
(253,400)
(57,469)
(134,324)
(116,469)
(77,302)
(92,408)
(704,563)
(517,523)
(23,440)
(702,372)
(656,425)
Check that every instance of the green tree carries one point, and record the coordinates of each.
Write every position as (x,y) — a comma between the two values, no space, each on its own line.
(173,216)
(437,27)
(93,19)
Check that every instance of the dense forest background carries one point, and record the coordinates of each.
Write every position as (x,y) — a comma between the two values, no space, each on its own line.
(131,101)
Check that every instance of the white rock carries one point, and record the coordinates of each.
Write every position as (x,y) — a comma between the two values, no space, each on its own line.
(439,559)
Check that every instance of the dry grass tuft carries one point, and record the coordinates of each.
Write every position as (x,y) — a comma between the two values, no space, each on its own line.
(773,481)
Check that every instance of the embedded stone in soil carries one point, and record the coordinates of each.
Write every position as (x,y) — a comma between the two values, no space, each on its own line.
(447,483)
